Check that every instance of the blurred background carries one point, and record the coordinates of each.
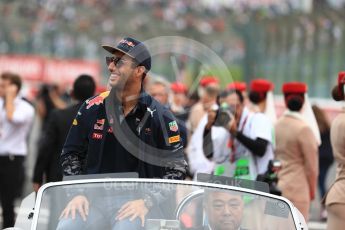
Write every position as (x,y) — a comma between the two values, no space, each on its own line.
(280,40)
(52,42)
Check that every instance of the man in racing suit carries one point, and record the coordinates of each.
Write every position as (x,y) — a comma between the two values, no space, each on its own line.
(124,130)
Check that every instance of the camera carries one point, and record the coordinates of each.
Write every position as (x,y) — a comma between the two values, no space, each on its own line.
(271,176)
(224,114)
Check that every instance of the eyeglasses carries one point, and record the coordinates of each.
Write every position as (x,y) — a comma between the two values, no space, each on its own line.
(118,61)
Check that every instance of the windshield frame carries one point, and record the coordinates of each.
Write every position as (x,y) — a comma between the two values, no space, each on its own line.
(295,216)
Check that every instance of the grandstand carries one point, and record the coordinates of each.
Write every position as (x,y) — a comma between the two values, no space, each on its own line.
(277,39)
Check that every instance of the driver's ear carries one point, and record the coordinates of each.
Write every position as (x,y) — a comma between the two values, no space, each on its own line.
(140,70)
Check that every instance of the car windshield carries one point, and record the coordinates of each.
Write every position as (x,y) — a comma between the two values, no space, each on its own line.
(172,205)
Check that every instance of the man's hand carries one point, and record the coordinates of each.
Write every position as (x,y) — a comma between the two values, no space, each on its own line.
(133,209)
(78,203)
(211,118)
(36,186)
(11,92)
(232,126)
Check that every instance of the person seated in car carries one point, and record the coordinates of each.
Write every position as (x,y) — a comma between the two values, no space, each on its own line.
(223,210)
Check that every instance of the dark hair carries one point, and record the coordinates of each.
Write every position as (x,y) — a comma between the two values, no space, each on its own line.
(84,87)
(257,97)
(13,79)
(226,93)
(336,94)
(136,64)
(294,102)
(43,96)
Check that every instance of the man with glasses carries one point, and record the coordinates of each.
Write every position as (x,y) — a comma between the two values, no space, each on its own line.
(124,130)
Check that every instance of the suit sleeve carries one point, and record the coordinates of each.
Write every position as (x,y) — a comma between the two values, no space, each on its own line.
(46,149)
(74,151)
(309,149)
(170,140)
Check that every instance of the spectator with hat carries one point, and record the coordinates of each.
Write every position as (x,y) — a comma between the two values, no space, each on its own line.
(179,100)
(335,197)
(261,96)
(208,91)
(240,86)
(237,85)
(297,149)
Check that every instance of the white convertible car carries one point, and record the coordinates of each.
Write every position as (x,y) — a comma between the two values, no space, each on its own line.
(171,205)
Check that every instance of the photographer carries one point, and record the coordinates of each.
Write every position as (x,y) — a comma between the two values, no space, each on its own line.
(248,137)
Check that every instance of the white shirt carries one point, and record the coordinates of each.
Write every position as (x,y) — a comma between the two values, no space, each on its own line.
(198,163)
(13,134)
(252,125)
(262,127)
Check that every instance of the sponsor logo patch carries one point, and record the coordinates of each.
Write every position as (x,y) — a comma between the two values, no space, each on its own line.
(97,136)
(173,126)
(150,111)
(101,121)
(98,127)
(126,42)
(174,139)
(110,130)
(75,122)
(97,100)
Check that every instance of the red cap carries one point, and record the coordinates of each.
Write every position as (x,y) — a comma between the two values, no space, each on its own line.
(294,87)
(178,87)
(237,85)
(207,80)
(341,78)
(261,85)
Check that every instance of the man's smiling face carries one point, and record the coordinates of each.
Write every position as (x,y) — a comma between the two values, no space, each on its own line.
(121,70)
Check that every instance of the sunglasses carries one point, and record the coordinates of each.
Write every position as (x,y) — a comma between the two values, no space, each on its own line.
(118,61)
